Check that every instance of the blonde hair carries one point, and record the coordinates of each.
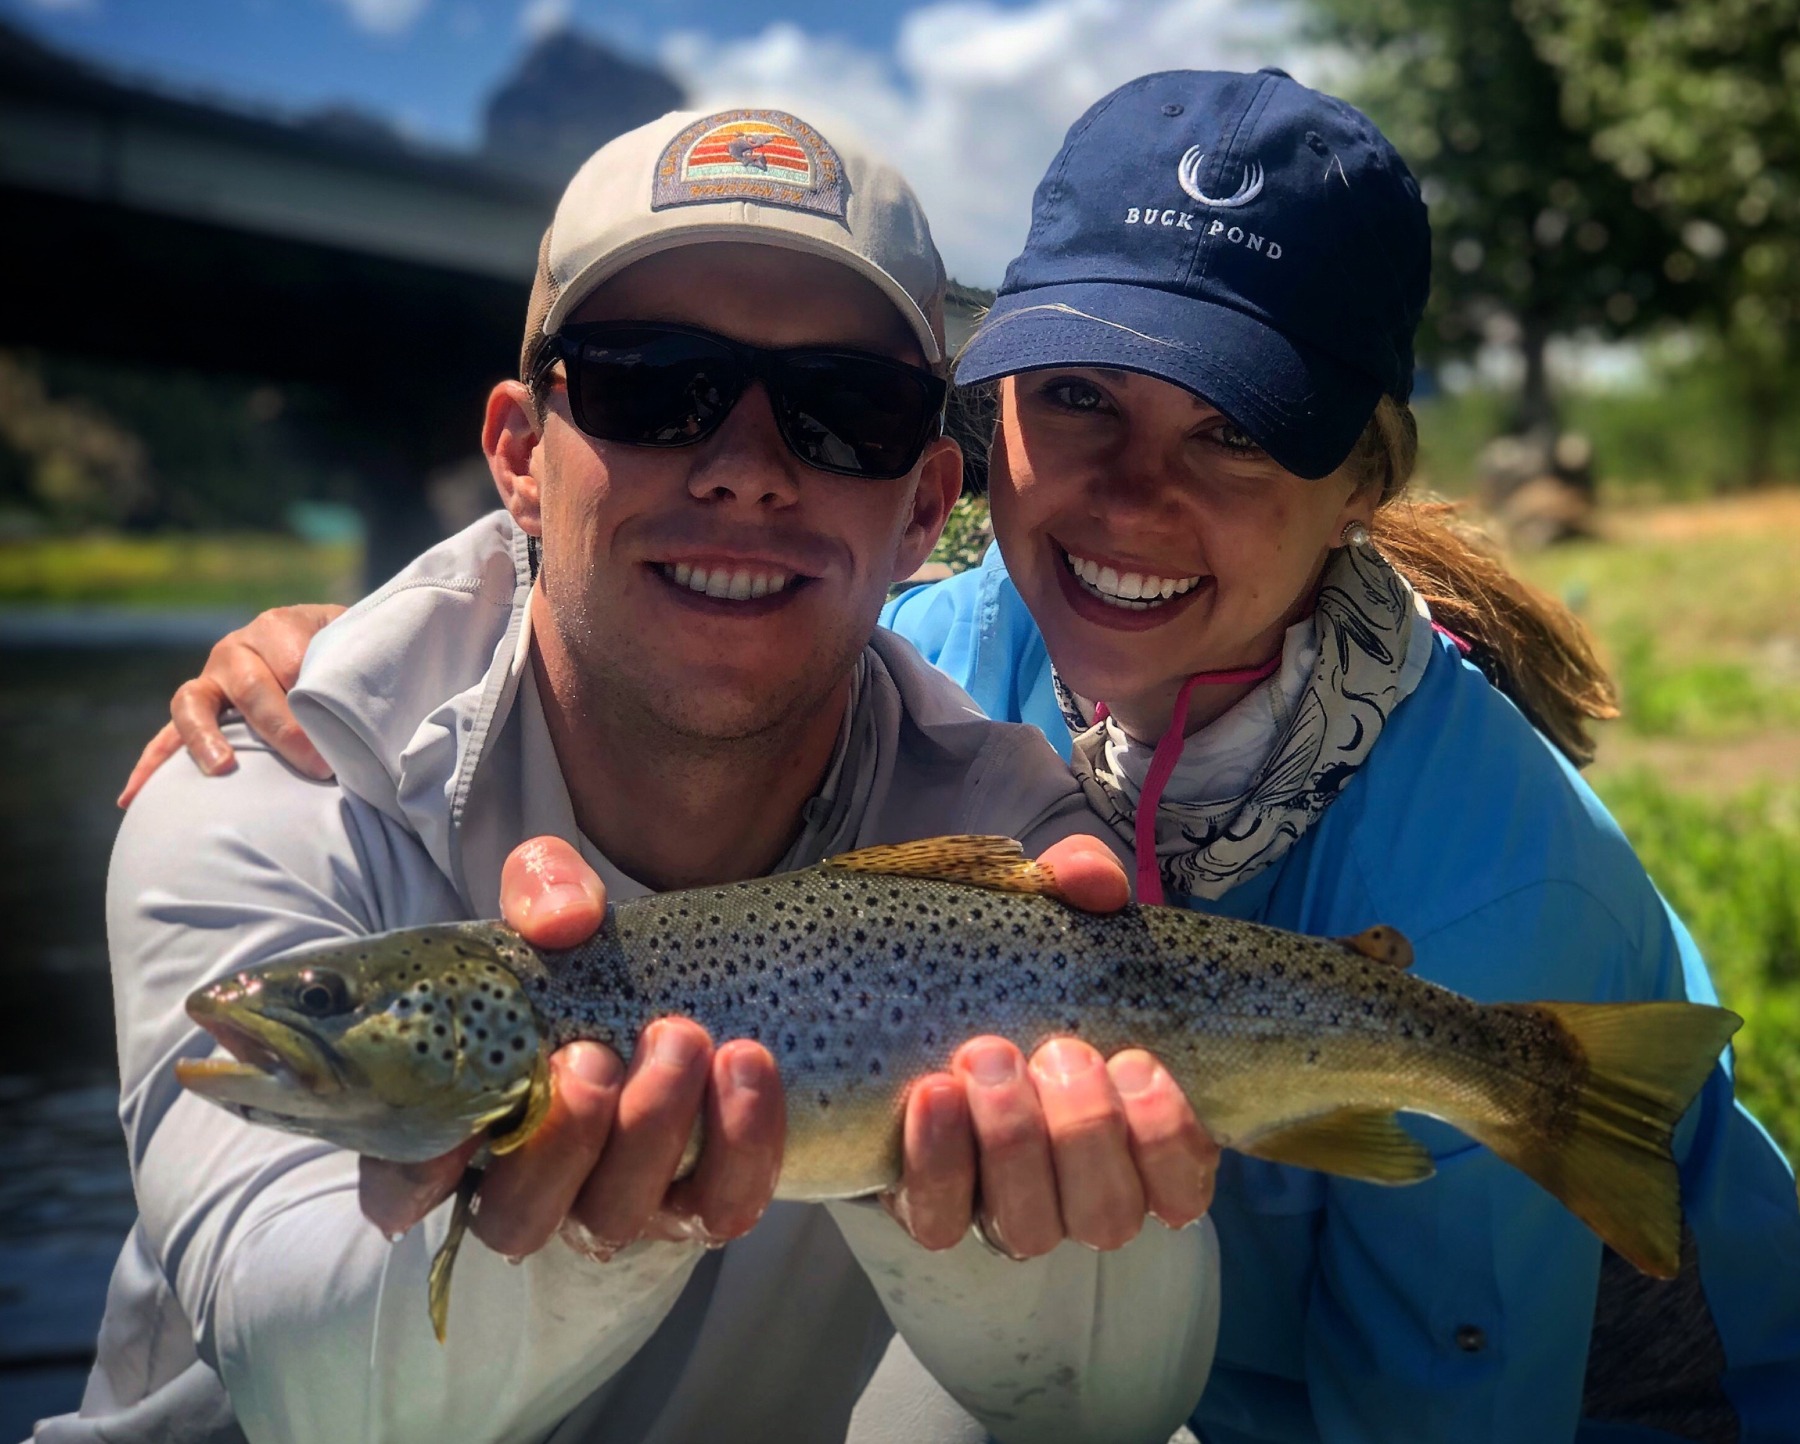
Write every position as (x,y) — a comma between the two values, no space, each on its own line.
(1528,644)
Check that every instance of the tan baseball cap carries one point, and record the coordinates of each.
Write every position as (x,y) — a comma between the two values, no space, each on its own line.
(762,176)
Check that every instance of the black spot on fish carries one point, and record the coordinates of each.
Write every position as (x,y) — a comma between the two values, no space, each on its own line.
(422,1047)
(496,1057)
(518,1045)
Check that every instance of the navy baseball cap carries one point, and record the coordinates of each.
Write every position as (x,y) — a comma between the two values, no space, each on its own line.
(1242,236)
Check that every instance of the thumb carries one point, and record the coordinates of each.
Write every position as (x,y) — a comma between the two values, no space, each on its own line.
(550,895)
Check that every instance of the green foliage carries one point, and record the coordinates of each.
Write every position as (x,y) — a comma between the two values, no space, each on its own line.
(1731,870)
(1680,436)
(1530,227)
(966,534)
(245,571)
(1698,106)
(1705,698)
(87,443)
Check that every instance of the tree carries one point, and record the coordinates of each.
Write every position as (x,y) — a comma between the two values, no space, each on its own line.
(1697,106)
(1534,235)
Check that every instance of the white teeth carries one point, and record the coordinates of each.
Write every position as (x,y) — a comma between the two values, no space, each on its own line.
(733,584)
(1133,590)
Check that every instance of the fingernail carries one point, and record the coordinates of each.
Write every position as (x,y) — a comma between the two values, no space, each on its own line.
(1064,1059)
(562,895)
(213,760)
(744,1066)
(591,1064)
(993,1065)
(941,1113)
(1132,1073)
(672,1047)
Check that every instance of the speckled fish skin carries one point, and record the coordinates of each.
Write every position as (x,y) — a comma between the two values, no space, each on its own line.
(1293,1048)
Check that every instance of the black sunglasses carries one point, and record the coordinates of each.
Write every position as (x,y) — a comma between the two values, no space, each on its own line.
(651,384)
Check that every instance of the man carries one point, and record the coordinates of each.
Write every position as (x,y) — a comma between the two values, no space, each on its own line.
(721,451)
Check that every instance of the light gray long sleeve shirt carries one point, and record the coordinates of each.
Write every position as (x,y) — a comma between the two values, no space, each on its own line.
(253,1299)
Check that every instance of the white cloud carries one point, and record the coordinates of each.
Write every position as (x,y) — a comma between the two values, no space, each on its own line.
(974,101)
(544,17)
(384,17)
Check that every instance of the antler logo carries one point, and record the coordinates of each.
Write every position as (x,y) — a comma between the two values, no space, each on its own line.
(1248,189)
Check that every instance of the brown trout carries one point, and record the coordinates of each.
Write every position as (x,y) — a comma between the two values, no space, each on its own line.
(870,969)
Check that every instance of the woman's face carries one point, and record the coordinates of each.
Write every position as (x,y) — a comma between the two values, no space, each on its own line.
(1151,538)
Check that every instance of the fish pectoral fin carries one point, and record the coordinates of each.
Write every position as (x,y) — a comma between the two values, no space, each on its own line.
(1382,945)
(444,1260)
(991,862)
(526,1119)
(1362,1143)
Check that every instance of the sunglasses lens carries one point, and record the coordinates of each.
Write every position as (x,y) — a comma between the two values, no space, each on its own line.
(652,388)
(855,415)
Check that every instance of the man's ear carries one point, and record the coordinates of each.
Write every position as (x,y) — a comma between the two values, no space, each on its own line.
(511,439)
(940,483)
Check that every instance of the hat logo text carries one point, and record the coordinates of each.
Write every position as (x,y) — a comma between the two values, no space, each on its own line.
(1248,189)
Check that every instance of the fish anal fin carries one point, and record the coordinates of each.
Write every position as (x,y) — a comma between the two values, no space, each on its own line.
(1381,944)
(1362,1143)
(990,862)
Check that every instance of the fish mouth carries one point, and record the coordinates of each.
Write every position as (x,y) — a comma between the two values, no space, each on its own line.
(268,1058)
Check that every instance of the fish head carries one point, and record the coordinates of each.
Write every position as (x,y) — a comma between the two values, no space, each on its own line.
(400,1046)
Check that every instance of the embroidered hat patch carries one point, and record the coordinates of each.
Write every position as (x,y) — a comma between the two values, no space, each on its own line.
(767,156)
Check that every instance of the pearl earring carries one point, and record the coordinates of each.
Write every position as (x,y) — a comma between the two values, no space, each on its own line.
(1355,535)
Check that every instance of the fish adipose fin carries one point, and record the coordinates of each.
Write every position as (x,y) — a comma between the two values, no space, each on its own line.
(991,862)
(1382,945)
(1360,1143)
(1610,1160)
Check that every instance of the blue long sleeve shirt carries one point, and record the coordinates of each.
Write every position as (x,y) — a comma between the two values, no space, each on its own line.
(1472,1307)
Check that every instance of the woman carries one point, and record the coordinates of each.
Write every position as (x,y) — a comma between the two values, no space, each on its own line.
(1308,703)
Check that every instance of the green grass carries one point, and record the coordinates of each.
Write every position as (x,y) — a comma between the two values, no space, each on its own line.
(1731,870)
(1702,633)
(247,570)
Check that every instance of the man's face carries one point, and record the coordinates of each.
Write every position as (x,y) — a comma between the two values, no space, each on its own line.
(626,529)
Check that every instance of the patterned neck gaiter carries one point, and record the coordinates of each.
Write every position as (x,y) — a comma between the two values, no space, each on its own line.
(1374,637)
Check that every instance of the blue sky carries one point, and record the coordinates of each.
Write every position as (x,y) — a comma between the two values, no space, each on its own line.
(426,64)
(969,97)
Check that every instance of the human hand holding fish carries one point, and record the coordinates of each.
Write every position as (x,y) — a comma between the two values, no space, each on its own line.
(862,974)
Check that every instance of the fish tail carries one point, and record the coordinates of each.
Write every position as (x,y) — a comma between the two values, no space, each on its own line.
(1608,1154)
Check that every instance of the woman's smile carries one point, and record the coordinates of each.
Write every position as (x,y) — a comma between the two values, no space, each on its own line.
(1111,596)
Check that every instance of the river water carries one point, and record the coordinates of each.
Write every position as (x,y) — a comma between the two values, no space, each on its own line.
(80,694)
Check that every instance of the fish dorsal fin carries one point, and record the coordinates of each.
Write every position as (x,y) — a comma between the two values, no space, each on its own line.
(1382,945)
(1360,1143)
(991,862)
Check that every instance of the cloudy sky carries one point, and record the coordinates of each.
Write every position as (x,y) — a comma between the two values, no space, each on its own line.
(969,97)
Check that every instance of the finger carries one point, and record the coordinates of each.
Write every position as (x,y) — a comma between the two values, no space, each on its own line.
(1088,874)
(1096,1177)
(195,710)
(526,1194)
(259,695)
(157,751)
(1176,1159)
(746,1126)
(1018,1179)
(935,1198)
(550,895)
(661,1099)
(395,1196)
(281,635)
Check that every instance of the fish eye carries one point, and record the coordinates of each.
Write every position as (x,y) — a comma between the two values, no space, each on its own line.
(322,994)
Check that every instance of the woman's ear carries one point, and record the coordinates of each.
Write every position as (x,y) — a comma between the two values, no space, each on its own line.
(511,438)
